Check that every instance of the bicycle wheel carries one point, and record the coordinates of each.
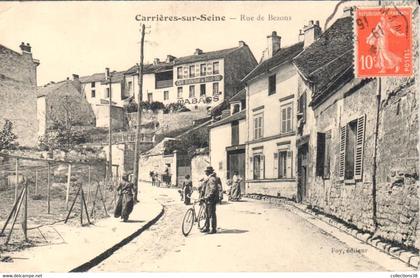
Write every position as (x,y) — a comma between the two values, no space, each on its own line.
(202,214)
(188,222)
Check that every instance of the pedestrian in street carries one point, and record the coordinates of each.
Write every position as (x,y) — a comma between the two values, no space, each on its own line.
(152,175)
(211,197)
(235,190)
(125,201)
(187,190)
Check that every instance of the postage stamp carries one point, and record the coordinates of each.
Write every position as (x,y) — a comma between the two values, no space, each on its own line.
(383,45)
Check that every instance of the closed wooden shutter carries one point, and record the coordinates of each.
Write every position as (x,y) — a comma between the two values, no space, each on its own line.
(342,159)
(262,167)
(251,167)
(275,164)
(360,139)
(320,151)
(290,164)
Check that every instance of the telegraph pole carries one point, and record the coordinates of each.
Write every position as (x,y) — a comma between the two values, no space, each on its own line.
(108,78)
(140,100)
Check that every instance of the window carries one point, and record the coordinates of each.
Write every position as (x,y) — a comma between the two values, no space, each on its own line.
(92,85)
(236,108)
(179,72)
(179,94)
(129,87)
(258,166)
(235,133)
(93,94)
(150,97)
(203,69)
(107,93)
(202,89)
(215,88)
(282,164)
(272,85)
(302,107)
(323,152)
(286,119)
(165,95)
(258,126)
(216,68)
(192,91)
(192,71)
(352,138)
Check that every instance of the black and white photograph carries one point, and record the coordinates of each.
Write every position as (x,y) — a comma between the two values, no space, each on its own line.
(230,137)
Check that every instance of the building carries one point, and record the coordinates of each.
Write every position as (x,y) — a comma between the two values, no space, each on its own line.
(206,79)
(227,139)
(357,140)
(157,81)
(18,83)
(270,111)
(63,102)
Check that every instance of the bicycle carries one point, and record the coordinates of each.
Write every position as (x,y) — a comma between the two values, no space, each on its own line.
(190,217)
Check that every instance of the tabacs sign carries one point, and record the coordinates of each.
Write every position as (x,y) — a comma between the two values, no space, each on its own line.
(198,80)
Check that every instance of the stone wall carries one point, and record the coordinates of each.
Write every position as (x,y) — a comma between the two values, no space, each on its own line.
(398,158)
(18,94)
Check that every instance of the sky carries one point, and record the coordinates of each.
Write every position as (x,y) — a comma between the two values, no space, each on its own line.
(86,37)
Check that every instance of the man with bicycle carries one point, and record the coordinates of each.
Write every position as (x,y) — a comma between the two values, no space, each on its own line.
(211,197)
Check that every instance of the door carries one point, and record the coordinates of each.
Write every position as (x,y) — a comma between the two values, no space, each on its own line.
(302,172)
(236,162)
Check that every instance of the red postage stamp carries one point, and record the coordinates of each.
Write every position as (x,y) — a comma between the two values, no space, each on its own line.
(383,42)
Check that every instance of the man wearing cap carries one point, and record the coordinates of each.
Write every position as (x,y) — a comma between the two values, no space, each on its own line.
(211,197)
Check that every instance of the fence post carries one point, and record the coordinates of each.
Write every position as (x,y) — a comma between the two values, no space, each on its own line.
(36,182)
(68,185)
(17,179)
(48,187)
(25,212)
(89,181)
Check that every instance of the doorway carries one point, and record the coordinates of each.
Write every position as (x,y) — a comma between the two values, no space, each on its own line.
(302,173)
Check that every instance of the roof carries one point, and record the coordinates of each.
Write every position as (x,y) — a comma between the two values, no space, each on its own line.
(241,95)
(235,117)
(52,87)
(150,68)
(116,77)
(96,77)
(212,55)
(281,56)
(329,58)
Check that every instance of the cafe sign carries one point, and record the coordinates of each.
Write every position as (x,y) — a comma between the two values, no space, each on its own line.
(198,80)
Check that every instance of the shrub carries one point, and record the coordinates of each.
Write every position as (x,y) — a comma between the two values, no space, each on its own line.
(7,137)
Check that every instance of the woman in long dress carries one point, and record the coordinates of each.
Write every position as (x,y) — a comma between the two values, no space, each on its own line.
(235,191)
(125,200)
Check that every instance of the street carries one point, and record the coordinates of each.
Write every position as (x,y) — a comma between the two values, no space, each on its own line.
(252,236)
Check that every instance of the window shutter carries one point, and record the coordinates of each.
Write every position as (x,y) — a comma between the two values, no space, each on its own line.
(290,164)
(320,151)
(360,139)
(262,167)
(251,167)
(276,165)
(342,160)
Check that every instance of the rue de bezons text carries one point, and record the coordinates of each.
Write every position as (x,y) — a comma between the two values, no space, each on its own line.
(211,18)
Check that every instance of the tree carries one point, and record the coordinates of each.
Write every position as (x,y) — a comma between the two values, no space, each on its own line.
(7,137)
(63,133)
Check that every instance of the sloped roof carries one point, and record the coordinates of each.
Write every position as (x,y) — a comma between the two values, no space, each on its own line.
(281,56)
(96,77)
(52,87)
(329,58)
(241,95)
(235,117)
(211,55)
(150,68)
(116,77)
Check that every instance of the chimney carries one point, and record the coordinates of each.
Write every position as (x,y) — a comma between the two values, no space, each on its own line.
(312,31)
(347,11)
(273,44)
(169,58)
(301,36)
(75,76)
(156,61)
(242,44)
(26,48)
(198,51)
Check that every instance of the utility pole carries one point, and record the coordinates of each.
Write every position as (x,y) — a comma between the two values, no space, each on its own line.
(140,100)
(108,78)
